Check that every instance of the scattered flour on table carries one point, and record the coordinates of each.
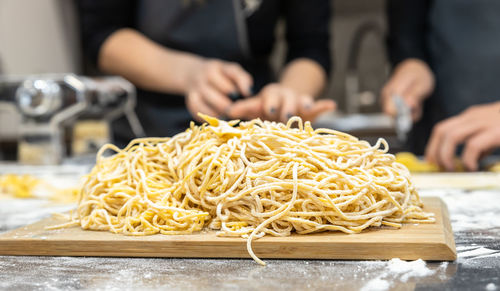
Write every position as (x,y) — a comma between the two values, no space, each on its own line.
(480,251)
(491,287)
(466,248)
(377,284)
(469,210)
(407,270)
(473,211)
(402,270)
(478,257)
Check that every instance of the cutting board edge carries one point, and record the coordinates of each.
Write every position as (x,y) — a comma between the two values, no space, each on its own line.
(449,238)
(434,253)
(438,247)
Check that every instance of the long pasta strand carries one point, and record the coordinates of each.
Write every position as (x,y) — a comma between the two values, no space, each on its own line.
(248,179)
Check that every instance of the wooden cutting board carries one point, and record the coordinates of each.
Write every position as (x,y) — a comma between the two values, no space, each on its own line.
(411,242)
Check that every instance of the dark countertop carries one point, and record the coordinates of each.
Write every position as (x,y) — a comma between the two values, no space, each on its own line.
(475,219)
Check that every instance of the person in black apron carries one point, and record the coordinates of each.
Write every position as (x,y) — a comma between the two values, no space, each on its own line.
(447,68)
(210,56)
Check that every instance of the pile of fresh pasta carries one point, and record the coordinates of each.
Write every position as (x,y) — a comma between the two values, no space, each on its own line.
(248,179)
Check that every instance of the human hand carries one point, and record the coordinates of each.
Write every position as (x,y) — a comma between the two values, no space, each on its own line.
(478,127)
(211,83)
(278,103)
(413,81)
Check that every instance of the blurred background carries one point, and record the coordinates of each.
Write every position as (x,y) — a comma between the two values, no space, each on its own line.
(46,39)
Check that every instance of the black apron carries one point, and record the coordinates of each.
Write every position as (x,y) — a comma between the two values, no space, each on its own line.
(208,28)
(463,44)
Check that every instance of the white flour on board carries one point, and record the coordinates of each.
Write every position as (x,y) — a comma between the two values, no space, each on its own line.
(15,213)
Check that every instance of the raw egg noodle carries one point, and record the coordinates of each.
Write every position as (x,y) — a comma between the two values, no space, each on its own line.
(248,179)
(18,186)
(28,186)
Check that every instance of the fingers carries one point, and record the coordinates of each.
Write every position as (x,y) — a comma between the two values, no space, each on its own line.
(215,99)
(306,107)
(271,103)
(289,105)
(195,105)
(246,109)
(439,132)
(387,103)
(213,83)
(432,148)
(217,79)
(240,77)
(306,104)
(411,95)
(414,81)
(318,108)
(469,128)
(397,85)
(455,136)
(278,103)
(478,145)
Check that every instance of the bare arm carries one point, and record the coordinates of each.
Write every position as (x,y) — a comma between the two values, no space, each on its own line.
(146,64)
(206,83)
(412,78)
(304,77)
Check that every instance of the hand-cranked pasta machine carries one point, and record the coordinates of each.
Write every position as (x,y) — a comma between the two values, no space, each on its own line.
(54,106)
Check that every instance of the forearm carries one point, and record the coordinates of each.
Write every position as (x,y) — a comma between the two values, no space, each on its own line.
(304,77)
(146,64)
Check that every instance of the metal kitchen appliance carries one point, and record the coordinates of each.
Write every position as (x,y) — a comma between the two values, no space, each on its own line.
(53,103)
